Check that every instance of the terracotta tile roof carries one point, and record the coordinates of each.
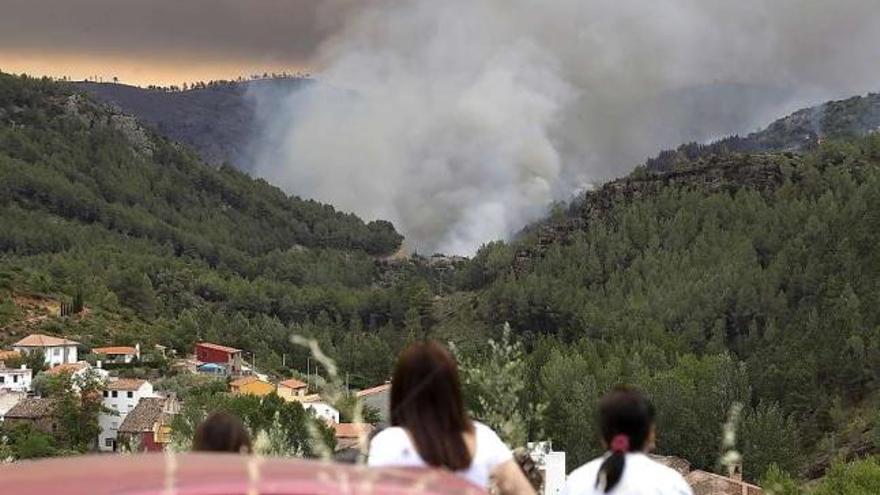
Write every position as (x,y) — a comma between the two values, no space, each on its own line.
(704,483)
(68,368)
(292,383)
(40,340)
(352,430)
(125,384)
(379,389)
(218,347)
(682,466)
(4,355)
(129,351)
(31,408)
(144,415)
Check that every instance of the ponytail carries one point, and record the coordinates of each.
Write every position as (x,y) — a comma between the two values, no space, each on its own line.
(626,419)
(612,469)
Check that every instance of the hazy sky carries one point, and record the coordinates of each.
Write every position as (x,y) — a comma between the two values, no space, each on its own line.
(164,41)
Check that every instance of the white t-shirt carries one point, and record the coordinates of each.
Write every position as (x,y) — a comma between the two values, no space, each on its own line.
(393,447)
(641,476)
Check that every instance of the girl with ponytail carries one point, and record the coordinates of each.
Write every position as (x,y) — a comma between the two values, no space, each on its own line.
(626,422)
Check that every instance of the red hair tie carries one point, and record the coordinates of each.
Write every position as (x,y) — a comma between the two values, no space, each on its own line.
(620,444)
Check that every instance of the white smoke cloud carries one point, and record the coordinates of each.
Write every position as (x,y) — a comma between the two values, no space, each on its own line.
(461,120)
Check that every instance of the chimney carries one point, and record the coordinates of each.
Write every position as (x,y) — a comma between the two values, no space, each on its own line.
(736,471)
(24,366)
(98,364)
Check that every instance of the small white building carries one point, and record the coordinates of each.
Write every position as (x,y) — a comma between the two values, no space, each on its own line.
(551,464)
(118,354)
(15,379)
(56,350)
(320,409)
(120,397)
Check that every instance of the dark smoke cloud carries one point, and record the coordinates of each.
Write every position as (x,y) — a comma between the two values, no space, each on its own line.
(461,120)
(284,30)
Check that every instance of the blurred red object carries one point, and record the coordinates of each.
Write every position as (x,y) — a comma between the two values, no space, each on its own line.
(217,474)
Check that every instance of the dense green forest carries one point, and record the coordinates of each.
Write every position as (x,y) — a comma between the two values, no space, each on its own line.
(748,279)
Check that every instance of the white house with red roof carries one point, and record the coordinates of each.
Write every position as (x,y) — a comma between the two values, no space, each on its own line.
(121,396)
(56,350)
(118,354)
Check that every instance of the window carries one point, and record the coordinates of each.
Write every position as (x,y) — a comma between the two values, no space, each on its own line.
(115,394)
(106,394)
(56,351)
(130,395)
(2,379)
(14,378)
(108,442)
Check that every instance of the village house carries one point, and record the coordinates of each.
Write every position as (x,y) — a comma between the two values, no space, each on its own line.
(348,435)
(120,398)
(291,389)
(8,400)
(378,398)
(118,354)
(37,412)
(147,428)
(78,372)
(251,385)
(319,408)
(228,357)
(15,379)
(56,350)
(705,483)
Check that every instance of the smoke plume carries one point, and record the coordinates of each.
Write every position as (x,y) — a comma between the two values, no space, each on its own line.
(462,120)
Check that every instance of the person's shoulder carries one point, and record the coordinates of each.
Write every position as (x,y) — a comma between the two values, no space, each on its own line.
(665,475)
(584,476)
(390,434)
(490,448)
(389,447)
(582,480)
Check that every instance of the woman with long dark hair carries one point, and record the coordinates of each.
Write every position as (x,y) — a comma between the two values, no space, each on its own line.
(626,421)
(429,426)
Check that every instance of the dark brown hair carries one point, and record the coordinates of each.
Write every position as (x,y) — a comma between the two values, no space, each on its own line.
(624,412)
(222,432)
(426,401)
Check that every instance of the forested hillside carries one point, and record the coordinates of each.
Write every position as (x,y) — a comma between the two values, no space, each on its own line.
(739,278)
(217,119)
(736,278)
(161,246)
(802,130)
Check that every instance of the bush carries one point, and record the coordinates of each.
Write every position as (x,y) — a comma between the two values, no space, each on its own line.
(854,478)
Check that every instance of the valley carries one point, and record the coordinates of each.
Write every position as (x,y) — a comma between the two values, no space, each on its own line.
(742,272)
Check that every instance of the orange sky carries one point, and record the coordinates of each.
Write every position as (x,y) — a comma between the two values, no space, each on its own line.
(139,71)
